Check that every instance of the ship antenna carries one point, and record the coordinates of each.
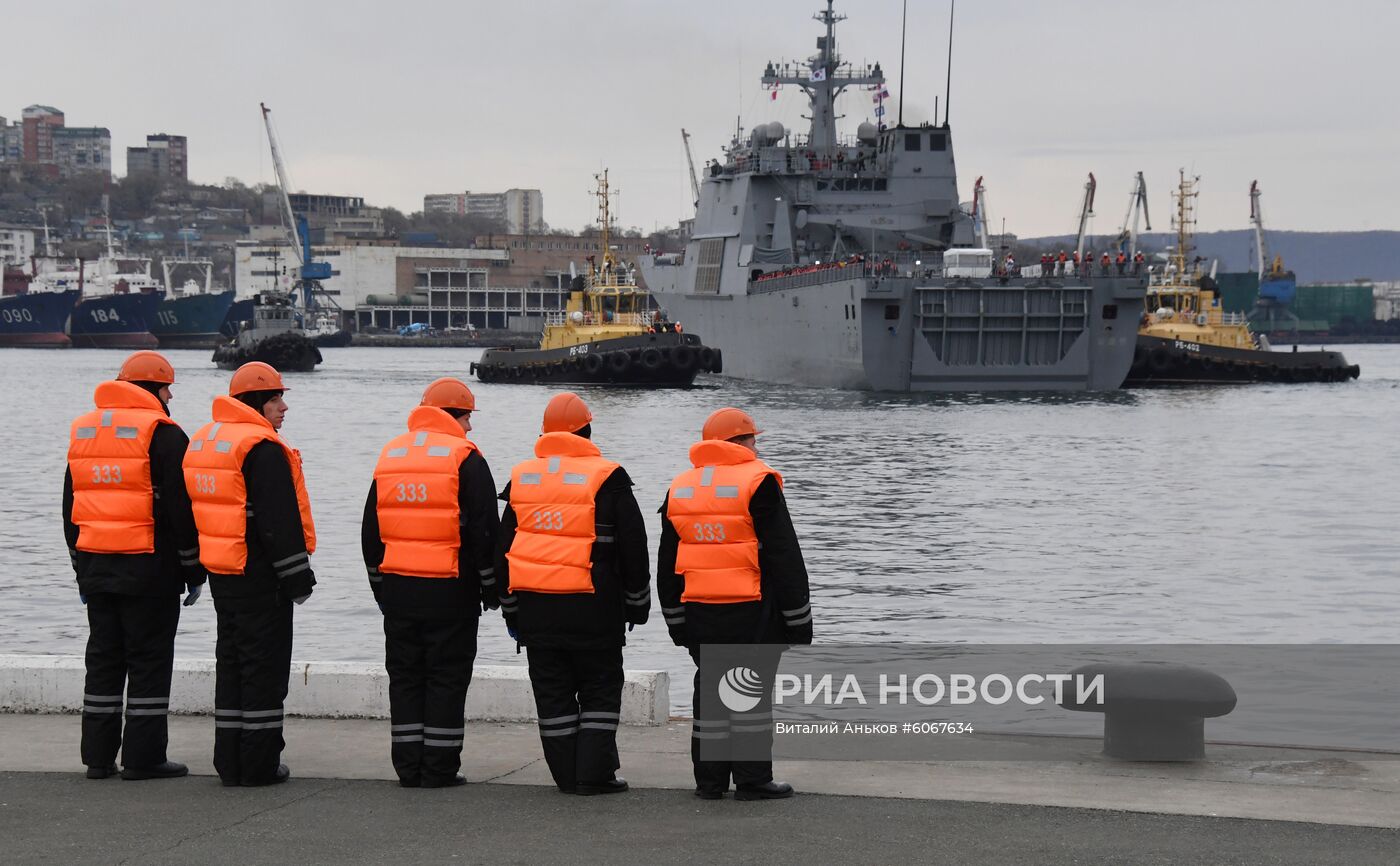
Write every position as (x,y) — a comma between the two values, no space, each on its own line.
(903,28)
(947,99)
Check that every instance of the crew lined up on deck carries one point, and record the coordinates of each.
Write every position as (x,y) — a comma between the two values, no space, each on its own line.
(148,513)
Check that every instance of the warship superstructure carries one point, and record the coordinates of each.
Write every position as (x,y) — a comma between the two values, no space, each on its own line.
(833,261)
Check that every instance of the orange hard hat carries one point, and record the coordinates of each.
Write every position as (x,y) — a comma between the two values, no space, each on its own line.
(147,366)
(727,423)
(449,393)
(566,413)
(255,376)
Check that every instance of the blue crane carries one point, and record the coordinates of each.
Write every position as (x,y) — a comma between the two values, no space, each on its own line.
(310,272)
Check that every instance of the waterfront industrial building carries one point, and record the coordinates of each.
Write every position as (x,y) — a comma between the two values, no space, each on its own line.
(505,282)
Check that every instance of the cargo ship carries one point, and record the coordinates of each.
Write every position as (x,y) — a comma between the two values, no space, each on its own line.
(118,297)
(192,313)
(36,319)
(606,334)
(1185,337)
(115,308)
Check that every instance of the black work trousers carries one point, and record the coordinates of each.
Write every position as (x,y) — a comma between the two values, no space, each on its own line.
(578,696)
(726,735)
(430,667)
(131,646)
(252,659)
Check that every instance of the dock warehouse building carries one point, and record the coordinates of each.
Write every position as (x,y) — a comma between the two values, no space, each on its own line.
(505,282)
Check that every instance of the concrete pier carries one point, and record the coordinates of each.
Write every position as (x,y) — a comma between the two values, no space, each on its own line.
(1244,805)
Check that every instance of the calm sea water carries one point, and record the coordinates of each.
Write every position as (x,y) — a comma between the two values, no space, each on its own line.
(1263,514)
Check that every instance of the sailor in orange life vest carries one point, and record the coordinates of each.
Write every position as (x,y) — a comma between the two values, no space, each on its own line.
(574,571)
(429,539)
(255,539)
(730,571)
(132,541)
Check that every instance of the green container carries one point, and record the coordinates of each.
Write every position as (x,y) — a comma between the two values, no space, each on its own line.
(1348,302)
(1238,291)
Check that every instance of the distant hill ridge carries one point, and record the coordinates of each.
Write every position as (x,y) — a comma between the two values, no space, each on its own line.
(1316,257)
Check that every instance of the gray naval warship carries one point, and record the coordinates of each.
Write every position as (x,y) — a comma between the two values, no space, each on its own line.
(848,262)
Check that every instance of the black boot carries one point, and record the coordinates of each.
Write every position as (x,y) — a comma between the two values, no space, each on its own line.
(452,782)
(282,775)
(615,785)
(102,772)
(167,770)
(766,791)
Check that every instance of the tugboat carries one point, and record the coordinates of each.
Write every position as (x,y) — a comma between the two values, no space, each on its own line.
(1185,338)
(606,334)
(271,337)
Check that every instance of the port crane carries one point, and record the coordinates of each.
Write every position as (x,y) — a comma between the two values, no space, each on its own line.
(1277,285)
(1137,206)
(690,160)
(309,271)
(1268,267)
(1086,210)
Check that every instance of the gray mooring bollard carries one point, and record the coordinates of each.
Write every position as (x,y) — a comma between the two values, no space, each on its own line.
(1155,711)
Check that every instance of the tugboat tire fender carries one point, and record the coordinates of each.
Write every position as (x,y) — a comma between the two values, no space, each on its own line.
(719,362)
(618,362)
(592,363)
(707,358)
(651,357)
(1159,360)
(683,357)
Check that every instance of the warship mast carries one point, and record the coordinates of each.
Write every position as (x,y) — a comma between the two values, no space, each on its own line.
(823,78)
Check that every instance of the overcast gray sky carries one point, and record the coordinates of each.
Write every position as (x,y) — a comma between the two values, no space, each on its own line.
(391,100)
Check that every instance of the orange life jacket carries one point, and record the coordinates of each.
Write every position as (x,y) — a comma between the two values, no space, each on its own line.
(416,488)
(214,478)
(709,508)
(554,498)
(109,456)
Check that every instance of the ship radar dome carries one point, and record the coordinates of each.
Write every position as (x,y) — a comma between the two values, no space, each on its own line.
(867,132)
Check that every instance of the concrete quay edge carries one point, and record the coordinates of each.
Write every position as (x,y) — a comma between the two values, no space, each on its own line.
(1256,783)
(335,690)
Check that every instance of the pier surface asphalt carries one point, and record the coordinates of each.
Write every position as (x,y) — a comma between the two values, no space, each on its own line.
(1244,806)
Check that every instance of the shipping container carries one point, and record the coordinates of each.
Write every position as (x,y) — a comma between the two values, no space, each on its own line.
(1238,291)
(1352,303)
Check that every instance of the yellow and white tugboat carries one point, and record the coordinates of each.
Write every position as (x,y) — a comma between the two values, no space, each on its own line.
(607,334)
(1186,338)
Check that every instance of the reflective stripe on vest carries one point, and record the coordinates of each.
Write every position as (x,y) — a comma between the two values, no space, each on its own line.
(214,478)
(109,456)
(416,485)
(709,508)
(554,499)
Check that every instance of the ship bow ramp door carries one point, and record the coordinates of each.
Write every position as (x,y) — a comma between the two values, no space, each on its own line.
(970,325)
